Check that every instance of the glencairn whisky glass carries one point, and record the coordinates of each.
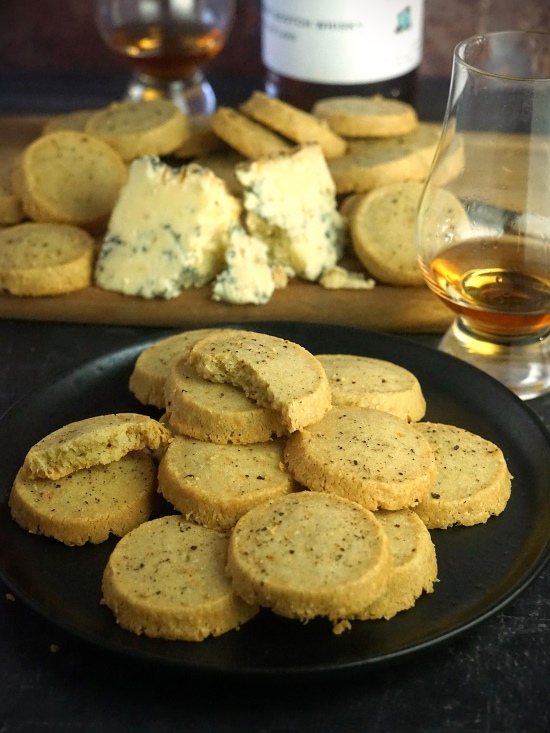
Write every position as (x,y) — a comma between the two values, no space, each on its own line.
(167,43)
(483,223)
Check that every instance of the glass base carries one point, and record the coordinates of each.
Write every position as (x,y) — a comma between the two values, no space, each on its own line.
(194,96)
(522,365)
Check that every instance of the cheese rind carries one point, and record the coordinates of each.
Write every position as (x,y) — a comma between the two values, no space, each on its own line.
(167,232)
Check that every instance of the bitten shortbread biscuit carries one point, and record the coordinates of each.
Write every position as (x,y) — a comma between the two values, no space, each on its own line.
(220,413)
(274,372)
(153,364)
(293,123)
(374,116)
(135,129)
(247,136)
(414,564)
(93,441)
(45,259)
(365,455)
(368,382)
(89,504)
(306,555)
(167,580)
(214,485)
(71,178)
(473,482)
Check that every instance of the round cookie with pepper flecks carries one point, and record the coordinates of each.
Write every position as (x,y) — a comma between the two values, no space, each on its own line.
(414,563)
(376,383)
(167,580)
(216,484)
(473,481)
(307,554)
(153,365)
(89,504)
(365,455)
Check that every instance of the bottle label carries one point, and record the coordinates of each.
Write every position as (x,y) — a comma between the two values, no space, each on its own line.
(342,41)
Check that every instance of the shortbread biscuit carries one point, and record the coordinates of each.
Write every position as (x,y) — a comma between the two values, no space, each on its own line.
(370,163)
(274,372)
(382,233)
(247,136)
(293,123)
(153,364)
(374,116)
(365,455)
(71,178)
(93,441)
(214,485)
(45,259)
(89,504)
(219,413)
(167,580)
(75,120)
(135,129)
(306,555)
(473,481)
(376,383)
(202,139)
(414,564)
(383,226)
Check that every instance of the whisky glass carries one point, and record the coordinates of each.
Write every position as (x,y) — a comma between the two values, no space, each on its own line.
(167,43)
(483,222)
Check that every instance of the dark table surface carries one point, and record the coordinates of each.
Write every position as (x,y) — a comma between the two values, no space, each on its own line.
(494,678)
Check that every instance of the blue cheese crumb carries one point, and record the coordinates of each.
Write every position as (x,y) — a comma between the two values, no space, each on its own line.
(338,278)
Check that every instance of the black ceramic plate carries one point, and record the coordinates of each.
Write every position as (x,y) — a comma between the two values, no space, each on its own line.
(480,568)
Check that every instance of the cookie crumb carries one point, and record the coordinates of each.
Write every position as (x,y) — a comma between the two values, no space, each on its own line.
(340,626)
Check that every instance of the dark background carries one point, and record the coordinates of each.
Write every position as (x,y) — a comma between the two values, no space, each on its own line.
(55,35)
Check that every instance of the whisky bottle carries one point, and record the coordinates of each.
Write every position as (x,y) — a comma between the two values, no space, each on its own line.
(313,49)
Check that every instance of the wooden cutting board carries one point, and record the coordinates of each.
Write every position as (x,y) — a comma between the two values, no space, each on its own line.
(384,308)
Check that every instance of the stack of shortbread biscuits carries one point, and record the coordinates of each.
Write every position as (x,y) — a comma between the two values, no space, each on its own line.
(303,484)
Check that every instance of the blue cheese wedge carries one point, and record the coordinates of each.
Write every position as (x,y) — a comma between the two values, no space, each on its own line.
(290,203)
(247,277)
(168,230)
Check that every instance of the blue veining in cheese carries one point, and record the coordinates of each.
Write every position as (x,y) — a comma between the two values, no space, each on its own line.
(247,277)
(168,230)
(290,200)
